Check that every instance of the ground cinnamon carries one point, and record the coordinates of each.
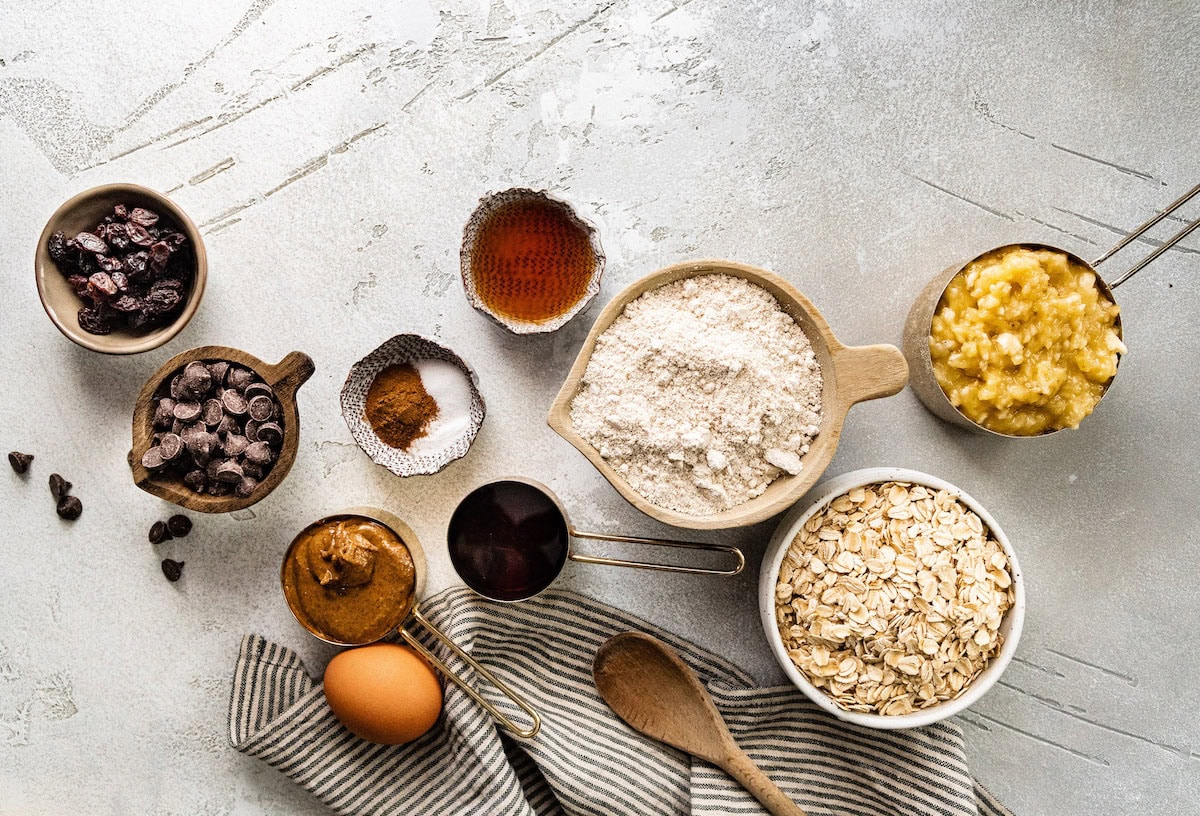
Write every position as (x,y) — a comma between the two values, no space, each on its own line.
(399,408)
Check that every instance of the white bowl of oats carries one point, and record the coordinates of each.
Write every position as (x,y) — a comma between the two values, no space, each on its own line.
(892,599)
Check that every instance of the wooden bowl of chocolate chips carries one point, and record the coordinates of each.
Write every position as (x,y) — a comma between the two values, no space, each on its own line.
(216,429)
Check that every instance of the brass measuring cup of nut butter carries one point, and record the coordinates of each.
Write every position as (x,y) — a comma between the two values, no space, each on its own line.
(354,577)
(1023,340)
(510,539)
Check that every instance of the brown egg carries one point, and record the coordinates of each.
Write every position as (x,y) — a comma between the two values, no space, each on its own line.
(384,693)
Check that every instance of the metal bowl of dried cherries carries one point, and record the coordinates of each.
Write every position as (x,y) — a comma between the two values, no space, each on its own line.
(216,429)
(120,269)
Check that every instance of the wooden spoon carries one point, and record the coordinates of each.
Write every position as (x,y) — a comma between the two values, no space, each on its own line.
(650,687)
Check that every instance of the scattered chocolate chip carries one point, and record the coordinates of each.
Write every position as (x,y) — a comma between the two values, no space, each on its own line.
(179,525)
(172,569)
(59,487)
(69,508)
(20,461)
(159,533)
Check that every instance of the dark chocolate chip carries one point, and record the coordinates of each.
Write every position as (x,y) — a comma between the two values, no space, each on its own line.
(234,403)
(170,446)
(261,407)
(159,533)
(229,471)
(239,377)
(214,412)
(196,480)
(69,508)
(245,488)
(258,389)
(179,525)
(227,425)
(259,453)
(187,410)
(20,461)
(59,487)
(152,459)
(172,569)
(271,433)
(235,444)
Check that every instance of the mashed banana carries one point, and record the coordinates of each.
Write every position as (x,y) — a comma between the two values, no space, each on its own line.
(1023,342)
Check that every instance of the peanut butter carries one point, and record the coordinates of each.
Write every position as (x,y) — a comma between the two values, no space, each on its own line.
(349,579)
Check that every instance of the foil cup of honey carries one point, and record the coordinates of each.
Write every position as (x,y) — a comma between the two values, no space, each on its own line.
(529,262)
(355,577)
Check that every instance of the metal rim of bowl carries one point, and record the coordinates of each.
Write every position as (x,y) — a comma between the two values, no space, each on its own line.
(781,540)
(136,344)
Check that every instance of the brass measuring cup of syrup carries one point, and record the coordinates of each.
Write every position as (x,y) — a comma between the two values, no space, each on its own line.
(403,609)
(510,539)
(919,324)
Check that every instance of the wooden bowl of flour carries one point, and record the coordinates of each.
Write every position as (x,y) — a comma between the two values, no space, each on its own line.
(851,374)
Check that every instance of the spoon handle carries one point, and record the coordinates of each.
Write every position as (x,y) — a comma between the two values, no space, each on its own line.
(742,768)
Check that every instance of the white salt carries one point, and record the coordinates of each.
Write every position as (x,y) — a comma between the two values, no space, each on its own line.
(451,390)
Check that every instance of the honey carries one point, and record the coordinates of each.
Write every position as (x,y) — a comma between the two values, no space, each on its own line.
(531,260)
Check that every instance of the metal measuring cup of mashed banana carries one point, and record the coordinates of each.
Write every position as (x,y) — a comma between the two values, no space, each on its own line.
(354,578)
(510,539)
(1023,340)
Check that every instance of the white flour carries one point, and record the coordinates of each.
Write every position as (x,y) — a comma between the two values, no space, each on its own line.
(701,393)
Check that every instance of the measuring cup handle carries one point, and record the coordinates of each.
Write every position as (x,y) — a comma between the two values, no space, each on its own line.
(659,542)
(452,676)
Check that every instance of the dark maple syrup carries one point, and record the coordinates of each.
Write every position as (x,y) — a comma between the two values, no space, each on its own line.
(532,260)
(508,540)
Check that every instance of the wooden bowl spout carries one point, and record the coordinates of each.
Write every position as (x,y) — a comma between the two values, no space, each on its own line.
(284,377)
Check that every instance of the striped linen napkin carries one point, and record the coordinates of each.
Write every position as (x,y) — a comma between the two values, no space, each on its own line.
(585,761)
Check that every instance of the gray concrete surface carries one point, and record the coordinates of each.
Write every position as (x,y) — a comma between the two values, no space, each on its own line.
(331,153)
